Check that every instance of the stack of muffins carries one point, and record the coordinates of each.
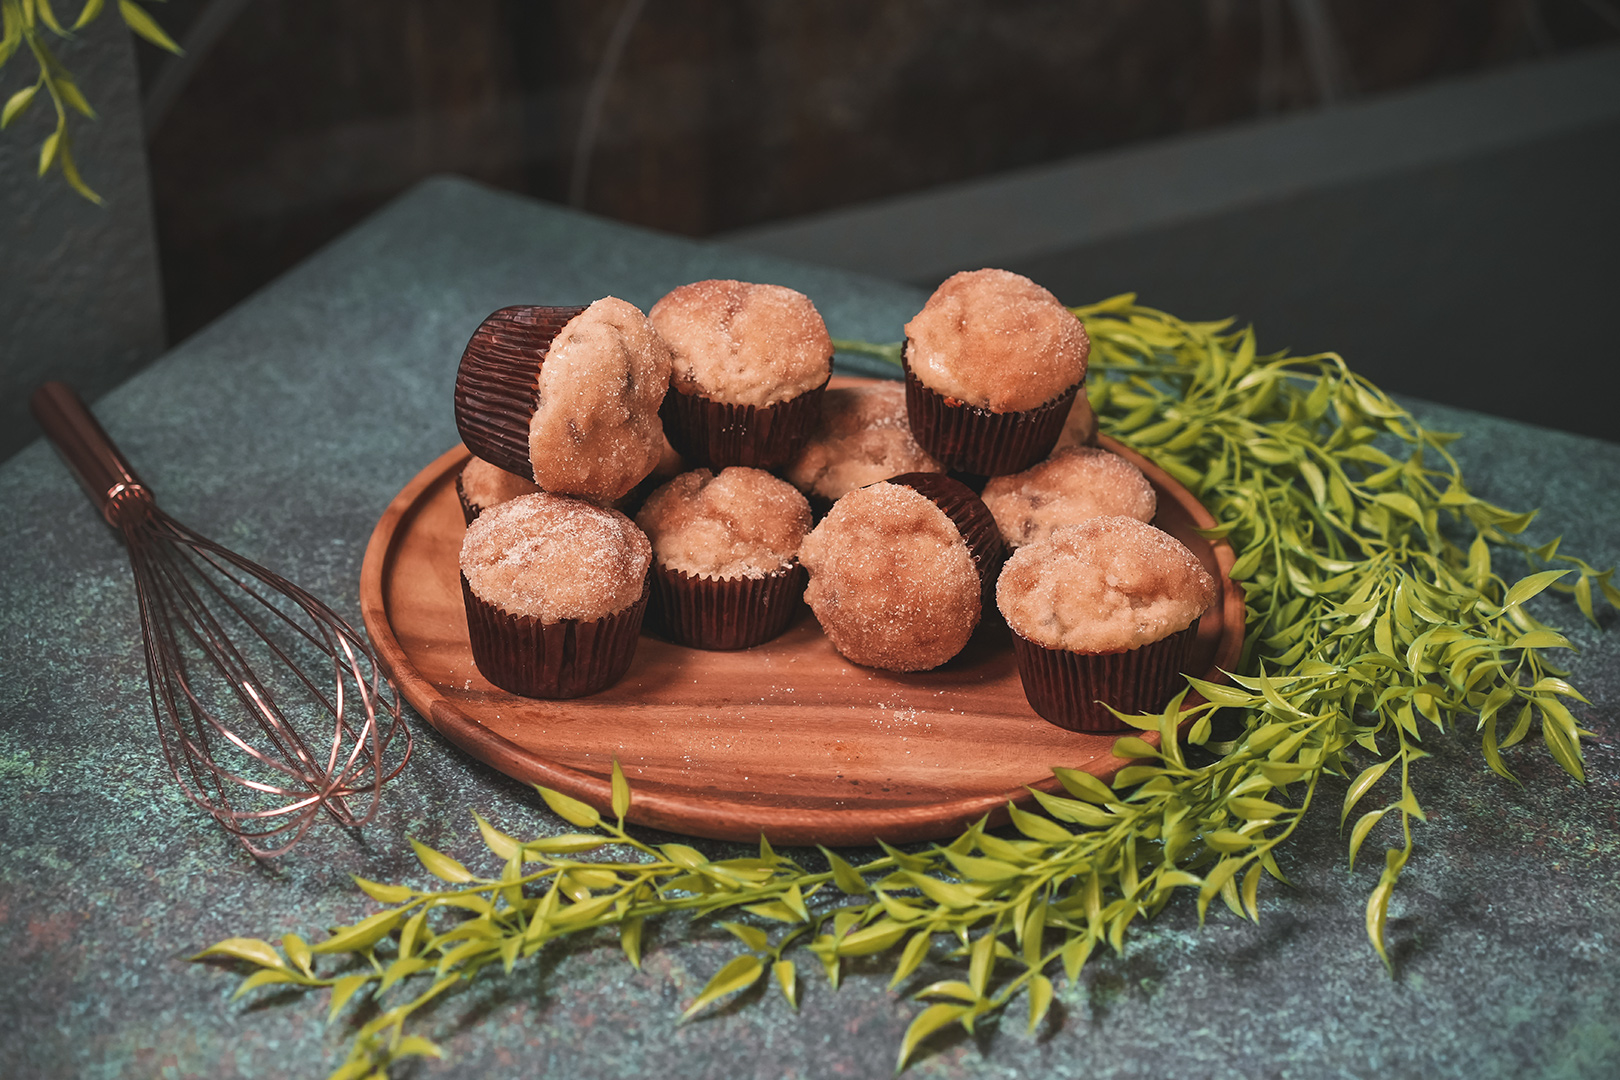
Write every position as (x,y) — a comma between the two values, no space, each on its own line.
(710,420)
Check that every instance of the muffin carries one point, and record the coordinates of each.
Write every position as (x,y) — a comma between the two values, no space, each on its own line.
(992,363)
(1080,429)
(725,556)
(480,485)
(1065,489)
(566,396)
(900,571)
(1103,611)
(750,363)
(863,437)
(555,590)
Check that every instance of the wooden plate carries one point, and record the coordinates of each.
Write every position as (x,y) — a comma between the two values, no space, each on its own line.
(788,738)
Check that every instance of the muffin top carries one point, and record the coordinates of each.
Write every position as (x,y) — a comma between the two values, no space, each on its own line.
(555,558)
(997,340)
(741,523)
(863,437)
(741,343)
(485,485)
(1066,488)
(1105,585)
(891,580)
(595,431)
(1080,427)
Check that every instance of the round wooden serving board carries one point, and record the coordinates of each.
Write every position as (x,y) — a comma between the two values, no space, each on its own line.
(788,739)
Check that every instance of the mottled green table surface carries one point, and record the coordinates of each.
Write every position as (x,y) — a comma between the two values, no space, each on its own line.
(284,430)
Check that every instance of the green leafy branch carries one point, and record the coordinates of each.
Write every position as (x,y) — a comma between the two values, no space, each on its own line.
(1377,617)
(25,23)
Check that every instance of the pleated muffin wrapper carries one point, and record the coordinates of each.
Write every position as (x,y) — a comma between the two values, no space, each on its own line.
(1065,687)
(972,519)
(725,614)
(968,439)
(569,658)
(712,434)
(498,382)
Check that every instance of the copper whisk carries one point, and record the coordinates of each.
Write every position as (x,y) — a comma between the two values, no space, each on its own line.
(227,639)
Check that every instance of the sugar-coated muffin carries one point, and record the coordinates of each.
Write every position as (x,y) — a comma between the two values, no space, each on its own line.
(863,437)
(992,363)
(555,589)
(1067,488)
(1104,610)
(481,485)
(749,365)
(725,548)
(565,396)
(898,571)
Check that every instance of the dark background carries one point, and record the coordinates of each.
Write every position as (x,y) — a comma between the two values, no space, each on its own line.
(289,120)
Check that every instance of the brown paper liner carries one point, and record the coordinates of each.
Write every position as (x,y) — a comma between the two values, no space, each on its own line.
(972,519)
(469,512)
(712,434)
(965,438)
(1066,687)
(565,659)
(726,613)
(498,383)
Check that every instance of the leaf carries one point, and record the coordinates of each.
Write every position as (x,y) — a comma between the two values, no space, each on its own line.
(570,810)
(1531,586)
(911,957)
(927,1022)
(739,974)
(361,936)
(787,978)
(844,875)
(384,894)
(505,847)
(344,989)
(298,952)
(564,844)
(1367,779)
(1362,827)
(47,150)
(417,1046)
(440,865)
(630,940)
(621,792)
(263,977)
(253,950)
(88,14)
(751,936)
(16,104)
(1040,1000)
(143,24)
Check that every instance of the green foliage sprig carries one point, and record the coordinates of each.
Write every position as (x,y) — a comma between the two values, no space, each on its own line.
(25,23)
(1378,617)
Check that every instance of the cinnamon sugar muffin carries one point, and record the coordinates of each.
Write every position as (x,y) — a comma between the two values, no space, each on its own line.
(992,363)
(480,485)
(1104,610)
(726,572)
(1067,488)
(749,365)
(863,437)
(566,396)
(555,590)
(899,569)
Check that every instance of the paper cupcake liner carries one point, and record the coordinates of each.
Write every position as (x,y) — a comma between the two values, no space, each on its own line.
(972,519)
(968,439)
(712,434)
(726,613)
(469,512)
(498,383)
(565,659)
(1065,687)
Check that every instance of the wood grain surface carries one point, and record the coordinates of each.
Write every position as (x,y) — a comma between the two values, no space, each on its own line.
(788,739)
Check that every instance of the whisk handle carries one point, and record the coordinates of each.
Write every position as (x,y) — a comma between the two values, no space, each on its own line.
(103,471)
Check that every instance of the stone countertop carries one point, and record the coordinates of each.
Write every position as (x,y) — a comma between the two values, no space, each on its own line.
(284,429)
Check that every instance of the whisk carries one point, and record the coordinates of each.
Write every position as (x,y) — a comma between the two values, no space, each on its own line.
(226,637)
